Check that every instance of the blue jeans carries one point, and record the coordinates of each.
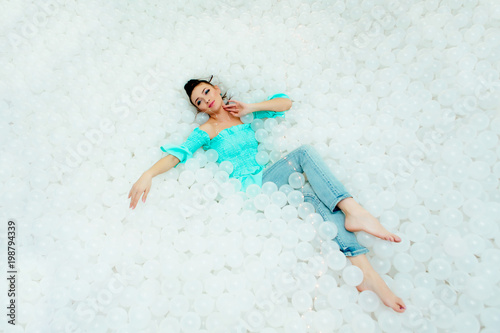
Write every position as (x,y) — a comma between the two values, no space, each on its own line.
(324,194)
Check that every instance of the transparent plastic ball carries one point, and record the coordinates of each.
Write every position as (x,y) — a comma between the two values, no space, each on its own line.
(187,177)
(466,322)
(368,300)
(421,252)
(116,318)
(295,198)
(306,232)
(190,322)
(253,190)
(304,250)
(226,166)
(296,180)
(279,198)
(490,318)
(192,288)
(336,260)
(352,275)
(289,212)
(204,305)
(305,209)
(477,288)
(416,232)
(212,155)
(261,135)
(418,214)
(139,316)
(326,283)
(286,188)
(248,118)
(362,323)
(269,188)
(262,157)
(440,269)
(201,118)
(383,249)
(327,230)
(79,290)
(389,321)
(272,211)
(289,239)
(301,301)
(403,262)
(261,201)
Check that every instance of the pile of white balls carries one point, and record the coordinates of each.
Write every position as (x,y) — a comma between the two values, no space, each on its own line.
(400,98)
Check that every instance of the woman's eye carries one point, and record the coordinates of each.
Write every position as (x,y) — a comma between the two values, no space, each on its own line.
(206,91)
(198,103)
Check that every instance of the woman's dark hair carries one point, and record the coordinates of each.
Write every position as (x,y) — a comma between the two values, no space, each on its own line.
(191,84)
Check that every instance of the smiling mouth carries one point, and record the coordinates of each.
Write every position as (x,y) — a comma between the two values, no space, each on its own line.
(211,104)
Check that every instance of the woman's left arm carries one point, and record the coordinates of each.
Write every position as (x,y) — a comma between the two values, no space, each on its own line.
(240,109)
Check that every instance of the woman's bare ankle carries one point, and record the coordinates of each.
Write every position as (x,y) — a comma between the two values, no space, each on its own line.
(349,206)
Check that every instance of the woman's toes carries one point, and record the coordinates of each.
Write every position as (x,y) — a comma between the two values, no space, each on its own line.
(399,306)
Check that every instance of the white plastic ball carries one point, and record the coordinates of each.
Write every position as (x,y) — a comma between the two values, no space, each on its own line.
(269,188)
(368,300)
(306,232)
(389,321)
(327,230)
(336,260)
(190,322)
(305,209)
(262,157)
(296,180)
(304,251)
(383,249)
(362,323)
(403,262)
(352,275)
(440,269)
(261,201)
(301,301)
(226,166)
(212,155)
(279,198)
(466,322)
(295,198)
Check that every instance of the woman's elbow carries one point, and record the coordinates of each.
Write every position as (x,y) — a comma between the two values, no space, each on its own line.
(288,104)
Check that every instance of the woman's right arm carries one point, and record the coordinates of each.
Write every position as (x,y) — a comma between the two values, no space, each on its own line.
(143,184)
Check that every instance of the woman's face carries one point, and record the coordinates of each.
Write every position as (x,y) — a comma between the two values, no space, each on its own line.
(206,97)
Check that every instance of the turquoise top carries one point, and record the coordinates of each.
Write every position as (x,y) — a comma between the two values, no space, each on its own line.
(236,144)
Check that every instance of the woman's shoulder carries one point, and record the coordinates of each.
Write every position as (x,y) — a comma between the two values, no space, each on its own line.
(209,128)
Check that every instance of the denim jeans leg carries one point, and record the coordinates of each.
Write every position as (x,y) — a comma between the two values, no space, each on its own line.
(346,240)
(306,160)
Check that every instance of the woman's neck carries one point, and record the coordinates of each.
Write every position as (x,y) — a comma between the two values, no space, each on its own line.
(220,115)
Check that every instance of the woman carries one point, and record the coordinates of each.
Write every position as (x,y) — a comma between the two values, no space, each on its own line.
(235,142)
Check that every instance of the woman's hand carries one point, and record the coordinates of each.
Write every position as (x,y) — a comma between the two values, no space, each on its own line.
(237,109)
(142,185)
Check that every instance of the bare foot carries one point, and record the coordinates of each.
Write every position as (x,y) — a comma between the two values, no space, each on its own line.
(372,281)
(378,286)
(359,219)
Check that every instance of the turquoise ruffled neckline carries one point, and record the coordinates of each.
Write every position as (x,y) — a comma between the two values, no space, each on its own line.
(231,129)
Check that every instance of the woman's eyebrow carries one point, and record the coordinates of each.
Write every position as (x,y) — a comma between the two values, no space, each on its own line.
(198,97)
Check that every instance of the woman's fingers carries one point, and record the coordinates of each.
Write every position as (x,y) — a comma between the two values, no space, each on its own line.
(230,107)
(135,199)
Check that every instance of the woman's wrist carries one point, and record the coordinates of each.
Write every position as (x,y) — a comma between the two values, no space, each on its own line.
(148,173)
(252,107)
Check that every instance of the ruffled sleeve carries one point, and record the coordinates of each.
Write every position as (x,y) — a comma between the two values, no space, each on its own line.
(270,114)
(195,140)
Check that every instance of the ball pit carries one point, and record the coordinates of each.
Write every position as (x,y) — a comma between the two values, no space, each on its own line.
(401,100)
